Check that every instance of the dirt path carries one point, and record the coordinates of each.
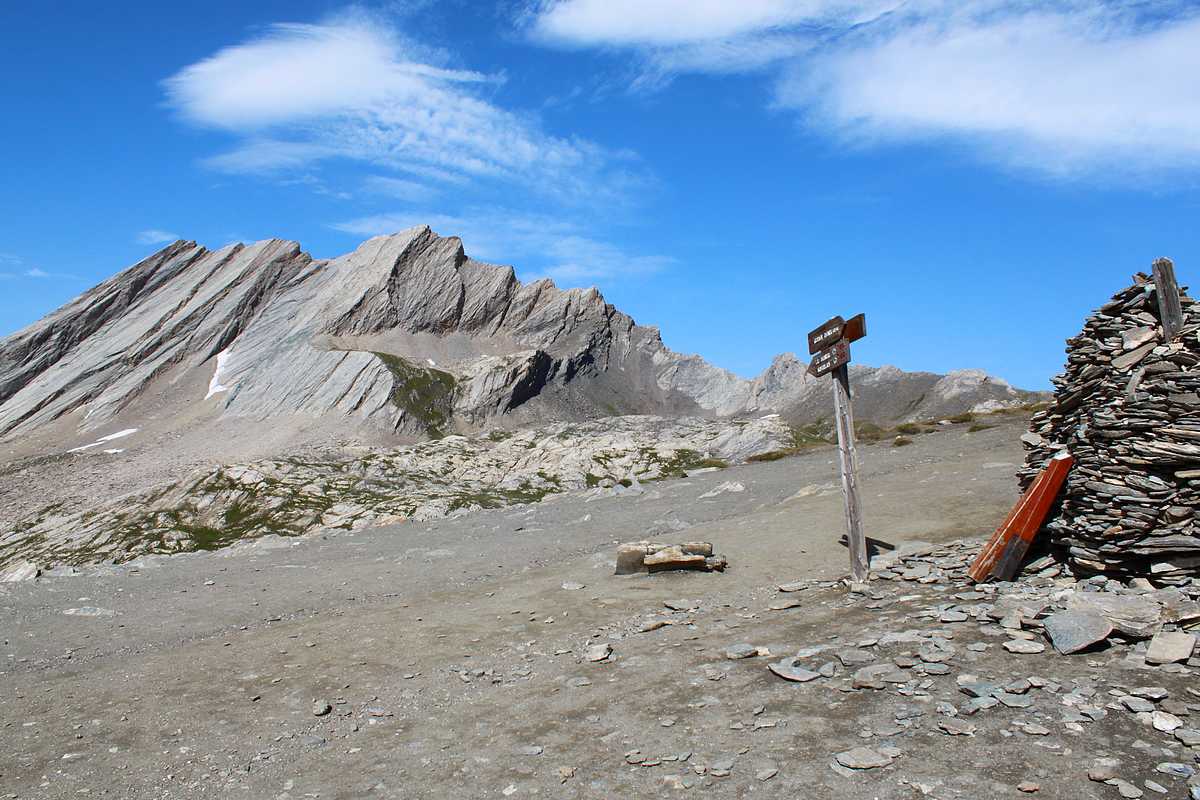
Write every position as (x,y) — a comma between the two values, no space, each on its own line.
(453,657)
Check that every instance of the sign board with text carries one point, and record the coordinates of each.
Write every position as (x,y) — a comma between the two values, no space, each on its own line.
(829,359)
(837,330)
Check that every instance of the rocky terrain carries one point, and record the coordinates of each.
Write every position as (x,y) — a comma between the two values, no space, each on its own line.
(495,654)
(201,398)
(1128,409)
(376,486)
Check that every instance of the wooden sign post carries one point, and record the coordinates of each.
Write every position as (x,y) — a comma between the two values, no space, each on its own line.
(830,347)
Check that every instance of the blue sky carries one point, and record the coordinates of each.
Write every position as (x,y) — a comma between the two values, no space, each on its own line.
(976,176)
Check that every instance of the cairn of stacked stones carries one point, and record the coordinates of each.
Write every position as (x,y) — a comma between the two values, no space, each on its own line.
(1128,409)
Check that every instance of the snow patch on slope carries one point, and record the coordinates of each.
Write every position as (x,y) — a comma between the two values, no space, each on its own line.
(105,440)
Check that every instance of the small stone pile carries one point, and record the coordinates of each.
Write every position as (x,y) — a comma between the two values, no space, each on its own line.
(1128,409)
(633,557)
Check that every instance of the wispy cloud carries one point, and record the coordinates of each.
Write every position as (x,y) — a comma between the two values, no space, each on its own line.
(1063,93)
(668,23)
(153,236)
(399,188)
(37,272)
(561,250)
(353,87)
(1067,87)
(14,268)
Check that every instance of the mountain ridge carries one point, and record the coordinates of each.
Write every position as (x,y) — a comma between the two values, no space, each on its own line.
(408,334)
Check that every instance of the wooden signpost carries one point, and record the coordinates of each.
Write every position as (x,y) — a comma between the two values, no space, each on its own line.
(830,347)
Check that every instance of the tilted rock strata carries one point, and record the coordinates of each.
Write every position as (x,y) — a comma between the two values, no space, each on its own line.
(407,333)
(1128,409)
(433,479)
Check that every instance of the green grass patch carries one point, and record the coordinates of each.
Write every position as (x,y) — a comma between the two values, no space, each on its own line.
(771,455)
(424,393)
(711,463)
(869,432)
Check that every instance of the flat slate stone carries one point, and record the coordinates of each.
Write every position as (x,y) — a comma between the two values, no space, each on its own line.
(957,727)
(1137,705)
(1167,647)
(739,651)
(863,758)
(1072,631)
(872,677)
(1024,646)
(1167,723)
(790,670)
(1189,737)
(1136,337)
(1132,615)
(1131,358)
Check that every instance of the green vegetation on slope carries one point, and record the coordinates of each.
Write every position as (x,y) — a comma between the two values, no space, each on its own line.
(424,393)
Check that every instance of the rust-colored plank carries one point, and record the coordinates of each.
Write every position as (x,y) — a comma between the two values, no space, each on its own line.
(1001,556)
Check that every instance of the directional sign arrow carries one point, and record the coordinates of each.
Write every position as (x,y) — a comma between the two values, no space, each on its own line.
(830,359)
(836,330)
(827,334)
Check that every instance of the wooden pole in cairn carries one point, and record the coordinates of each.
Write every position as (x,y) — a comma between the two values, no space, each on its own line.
(1169,310)
(848,455)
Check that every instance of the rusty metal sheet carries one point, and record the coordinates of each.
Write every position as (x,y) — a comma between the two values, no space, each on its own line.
(830,359)
(824,336)
(1001,557)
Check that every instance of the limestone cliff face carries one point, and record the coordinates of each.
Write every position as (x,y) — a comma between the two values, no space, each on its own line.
(407,333)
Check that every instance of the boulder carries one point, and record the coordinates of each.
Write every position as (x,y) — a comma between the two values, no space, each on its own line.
(20,571)
(635,557)
(1072,631)
(1168,647)
(1132,615)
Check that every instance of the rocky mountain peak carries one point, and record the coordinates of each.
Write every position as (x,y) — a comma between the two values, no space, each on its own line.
(406,333)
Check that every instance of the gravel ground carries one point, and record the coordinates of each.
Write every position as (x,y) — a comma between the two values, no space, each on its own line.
(451,658)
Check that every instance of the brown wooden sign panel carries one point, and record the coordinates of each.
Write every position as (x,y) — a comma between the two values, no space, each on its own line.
(830,359)
(855,328)
(825,335)
(836,330)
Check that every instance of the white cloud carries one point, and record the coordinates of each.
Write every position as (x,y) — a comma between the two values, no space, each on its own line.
(560,248)
(263,156)
(297,72)
(1059,92)
(153,236)
(1069,87)
(678,22)
(353,88)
